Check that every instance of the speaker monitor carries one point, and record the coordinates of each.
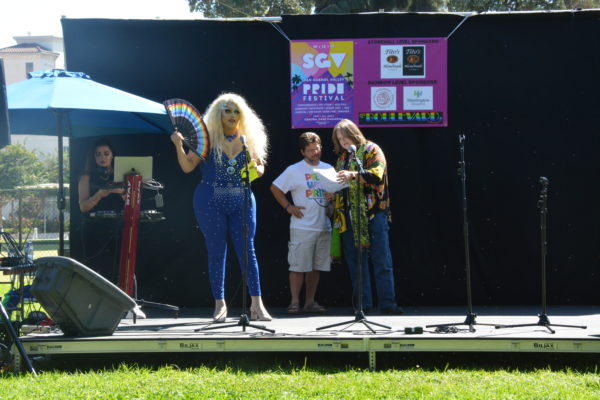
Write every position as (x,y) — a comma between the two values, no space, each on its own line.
(79,300)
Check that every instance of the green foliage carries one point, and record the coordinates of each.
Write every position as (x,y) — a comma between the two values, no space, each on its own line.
(20,167)
(519,5)
(50,162)
(255,8)
(259,8)
(356,6)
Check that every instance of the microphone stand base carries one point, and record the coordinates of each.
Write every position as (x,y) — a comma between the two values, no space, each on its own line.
(359,317)
(542,321)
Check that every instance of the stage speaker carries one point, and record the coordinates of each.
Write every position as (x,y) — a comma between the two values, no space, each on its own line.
(80,301)
(4,127)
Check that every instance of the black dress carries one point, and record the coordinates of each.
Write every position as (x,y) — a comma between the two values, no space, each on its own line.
(101,234)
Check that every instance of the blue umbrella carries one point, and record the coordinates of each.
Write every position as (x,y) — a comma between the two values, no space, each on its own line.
(63,103)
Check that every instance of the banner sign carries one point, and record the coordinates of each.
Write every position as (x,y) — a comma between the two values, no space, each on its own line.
(390,82)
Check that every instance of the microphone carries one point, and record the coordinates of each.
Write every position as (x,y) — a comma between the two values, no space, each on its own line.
(243,140)
(352,149)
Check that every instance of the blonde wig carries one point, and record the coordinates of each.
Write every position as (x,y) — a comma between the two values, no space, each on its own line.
(250,126)
(349,130)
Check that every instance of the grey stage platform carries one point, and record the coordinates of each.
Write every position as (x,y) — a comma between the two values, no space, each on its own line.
(162,333)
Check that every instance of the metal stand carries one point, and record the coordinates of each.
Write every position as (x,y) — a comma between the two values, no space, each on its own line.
(359,315)
(7,238)
(244,321)
(543,320)
(15,338)
(471,318)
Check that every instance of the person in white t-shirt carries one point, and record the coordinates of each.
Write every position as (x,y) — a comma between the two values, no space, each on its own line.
(310,227)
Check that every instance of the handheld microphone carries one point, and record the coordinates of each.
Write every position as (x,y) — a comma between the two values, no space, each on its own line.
(243,140)
(352,148)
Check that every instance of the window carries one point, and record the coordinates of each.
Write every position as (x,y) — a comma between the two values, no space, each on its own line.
(28,69)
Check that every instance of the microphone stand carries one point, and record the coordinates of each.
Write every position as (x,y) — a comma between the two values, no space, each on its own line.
(543,320)
(359,316)
(471,318)
(244,321)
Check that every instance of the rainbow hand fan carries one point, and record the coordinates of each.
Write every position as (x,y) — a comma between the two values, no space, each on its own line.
(188,121)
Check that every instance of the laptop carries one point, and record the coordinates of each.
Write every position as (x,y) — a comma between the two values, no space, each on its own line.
(126,165)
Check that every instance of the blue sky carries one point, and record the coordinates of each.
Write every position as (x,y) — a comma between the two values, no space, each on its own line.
(42,17)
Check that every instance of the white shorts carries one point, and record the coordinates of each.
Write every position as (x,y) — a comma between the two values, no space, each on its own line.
(309,250)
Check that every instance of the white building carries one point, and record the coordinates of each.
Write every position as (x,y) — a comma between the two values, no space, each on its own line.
(33,53)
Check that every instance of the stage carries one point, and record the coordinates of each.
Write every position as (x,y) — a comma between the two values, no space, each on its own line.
(163,333)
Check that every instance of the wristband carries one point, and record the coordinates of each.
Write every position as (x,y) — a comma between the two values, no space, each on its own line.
(286,207)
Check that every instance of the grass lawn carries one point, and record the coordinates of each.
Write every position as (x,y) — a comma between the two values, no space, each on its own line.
(296,376)
(170,382)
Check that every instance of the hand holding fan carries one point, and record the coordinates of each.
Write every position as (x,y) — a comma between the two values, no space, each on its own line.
(188,121)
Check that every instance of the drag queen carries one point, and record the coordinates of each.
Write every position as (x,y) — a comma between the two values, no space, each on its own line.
(219,197)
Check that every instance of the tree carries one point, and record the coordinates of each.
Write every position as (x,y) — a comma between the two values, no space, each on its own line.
(519,5)
(259,8)
(356,6)
(50,161)
(244,8)
(20,167)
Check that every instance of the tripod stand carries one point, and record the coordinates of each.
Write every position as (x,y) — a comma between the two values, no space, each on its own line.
(359,315)
(12,332)
(543,320)
(471,318)
(15,338)
(244,321)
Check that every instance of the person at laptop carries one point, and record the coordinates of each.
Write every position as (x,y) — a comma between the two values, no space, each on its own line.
(98,193)
(219,197)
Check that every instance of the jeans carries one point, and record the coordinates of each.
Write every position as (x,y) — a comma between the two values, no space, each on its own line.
(381,261)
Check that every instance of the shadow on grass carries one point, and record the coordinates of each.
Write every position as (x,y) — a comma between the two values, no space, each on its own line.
(323,362)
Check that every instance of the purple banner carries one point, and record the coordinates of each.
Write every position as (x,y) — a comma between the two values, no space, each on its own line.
(389,82)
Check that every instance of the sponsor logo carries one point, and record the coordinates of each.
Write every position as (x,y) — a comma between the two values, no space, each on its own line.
(383,98)
(418,98)
(391,65)
(413,59)
(401,118)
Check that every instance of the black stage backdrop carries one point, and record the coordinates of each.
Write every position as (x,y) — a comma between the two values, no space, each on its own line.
(523,88)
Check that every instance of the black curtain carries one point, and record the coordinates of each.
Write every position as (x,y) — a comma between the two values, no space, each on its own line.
(522,89)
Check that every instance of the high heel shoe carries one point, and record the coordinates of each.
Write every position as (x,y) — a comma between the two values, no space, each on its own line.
(220,314)
(259,315)
(258,311)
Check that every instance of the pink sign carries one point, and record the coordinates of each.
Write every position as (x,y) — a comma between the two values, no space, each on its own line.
(389,82)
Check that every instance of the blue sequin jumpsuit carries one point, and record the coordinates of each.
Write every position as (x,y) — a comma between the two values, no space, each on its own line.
(219,208)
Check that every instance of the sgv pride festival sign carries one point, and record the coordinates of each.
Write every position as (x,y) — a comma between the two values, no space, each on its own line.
(374,82)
